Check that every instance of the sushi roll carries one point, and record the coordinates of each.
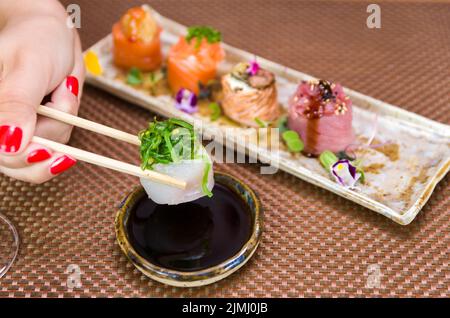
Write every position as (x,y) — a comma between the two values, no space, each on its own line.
(194,59)
(136,40)
(249,94)
(321,114)
(171,147)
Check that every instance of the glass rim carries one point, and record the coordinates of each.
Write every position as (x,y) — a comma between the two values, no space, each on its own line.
(15,235)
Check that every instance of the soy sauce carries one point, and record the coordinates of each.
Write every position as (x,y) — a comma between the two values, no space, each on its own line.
(193,235)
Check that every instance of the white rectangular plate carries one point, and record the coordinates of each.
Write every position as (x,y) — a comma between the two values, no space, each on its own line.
(400,177)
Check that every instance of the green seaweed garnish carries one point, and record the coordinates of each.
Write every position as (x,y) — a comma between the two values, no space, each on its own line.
(171,141)
(216,112)
(167,141)
(134,76)
(205,179)
(292,140)
(203,32)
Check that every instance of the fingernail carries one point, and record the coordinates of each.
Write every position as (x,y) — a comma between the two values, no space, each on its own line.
(62,164)
(38,155)
(10,138)
(72,84)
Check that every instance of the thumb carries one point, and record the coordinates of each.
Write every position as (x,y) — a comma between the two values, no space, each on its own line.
(20,93)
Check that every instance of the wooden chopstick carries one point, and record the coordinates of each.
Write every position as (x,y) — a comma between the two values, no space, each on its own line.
(98,159)
(110,163)
(88,125)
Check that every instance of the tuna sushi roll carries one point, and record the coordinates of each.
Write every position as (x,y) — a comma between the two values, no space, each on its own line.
(136,40)
(321,114)
(249,94)
(194,59)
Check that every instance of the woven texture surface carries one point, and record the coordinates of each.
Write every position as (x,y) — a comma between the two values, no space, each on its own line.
(314,242)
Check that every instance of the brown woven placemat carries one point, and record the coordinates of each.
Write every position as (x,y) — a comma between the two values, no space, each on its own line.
(314,243)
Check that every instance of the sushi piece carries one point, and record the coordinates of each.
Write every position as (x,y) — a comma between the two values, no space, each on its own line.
(194,59)
(136,40)
(250,95)
(172,148)
(321,114)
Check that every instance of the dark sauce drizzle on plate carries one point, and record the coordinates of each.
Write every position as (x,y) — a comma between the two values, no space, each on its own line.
(316,110)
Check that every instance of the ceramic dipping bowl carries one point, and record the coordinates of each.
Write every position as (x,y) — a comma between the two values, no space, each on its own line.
(203,276)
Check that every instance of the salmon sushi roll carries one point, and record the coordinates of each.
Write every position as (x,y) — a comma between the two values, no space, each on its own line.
(194,59)
(250,94)
(136,40)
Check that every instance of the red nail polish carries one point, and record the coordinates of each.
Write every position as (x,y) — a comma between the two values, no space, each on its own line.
(10,138)
(62,164)
(38,155)
(72,84)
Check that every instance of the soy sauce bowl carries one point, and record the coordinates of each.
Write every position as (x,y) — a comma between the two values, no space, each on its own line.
(204,276)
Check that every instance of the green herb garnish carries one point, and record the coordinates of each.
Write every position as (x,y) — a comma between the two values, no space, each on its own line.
(327,159)
(167,141)
(203,32)
(216,112)
(261,123)
(292,140)
(205,179)
(134,76)
(171,141)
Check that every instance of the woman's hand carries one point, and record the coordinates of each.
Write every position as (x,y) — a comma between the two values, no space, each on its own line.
(39,56)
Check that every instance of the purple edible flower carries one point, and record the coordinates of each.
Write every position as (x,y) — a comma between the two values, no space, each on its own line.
(345,173)
(186,101)
(253,68)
